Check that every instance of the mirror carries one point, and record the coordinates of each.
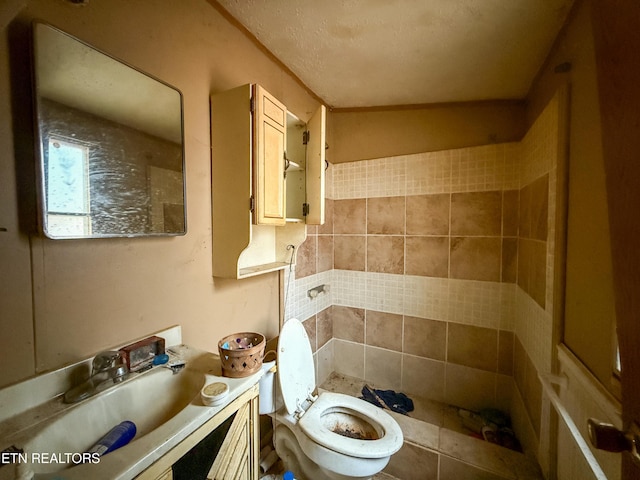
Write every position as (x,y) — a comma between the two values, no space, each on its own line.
(110,140)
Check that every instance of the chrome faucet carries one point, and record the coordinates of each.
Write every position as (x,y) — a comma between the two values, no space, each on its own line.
(110,362)
(108,368)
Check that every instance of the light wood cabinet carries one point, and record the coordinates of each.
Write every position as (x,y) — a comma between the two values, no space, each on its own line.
(166,475)
(262,197)
(238,457)
(269,144)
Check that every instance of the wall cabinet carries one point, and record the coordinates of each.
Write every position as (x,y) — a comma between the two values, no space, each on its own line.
(270,158)
(237,452)
(267,181)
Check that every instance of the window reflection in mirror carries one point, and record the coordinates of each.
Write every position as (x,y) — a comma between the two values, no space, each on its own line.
(111,144)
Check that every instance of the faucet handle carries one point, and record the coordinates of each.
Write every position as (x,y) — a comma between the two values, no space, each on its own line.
(106,360)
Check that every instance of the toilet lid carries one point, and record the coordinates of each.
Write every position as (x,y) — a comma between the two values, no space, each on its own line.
(296,371)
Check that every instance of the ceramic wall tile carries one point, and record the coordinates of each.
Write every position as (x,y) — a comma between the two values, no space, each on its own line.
(476,213)
(384,330)
(306,257)
(325,253)
(509,268)
(540,208)
(413,463)
(428,214)
(383,367)
(472,346)
(350,216)
(310,327)
(348,358)
(348,323)
(423,377)
(505,352)
(349,252)
(325,360)
(476,258)
(461,380)
(427,256)
(385,254)
(425,338)
(385,215)
(324,322)
(510,211)
(386,177)
(327,227)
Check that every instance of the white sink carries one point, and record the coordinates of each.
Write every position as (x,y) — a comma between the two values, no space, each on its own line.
(148,400)
(166,409)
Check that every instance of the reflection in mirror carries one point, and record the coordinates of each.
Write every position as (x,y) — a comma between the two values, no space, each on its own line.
(110,143)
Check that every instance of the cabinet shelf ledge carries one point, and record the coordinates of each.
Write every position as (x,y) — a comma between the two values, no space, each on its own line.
(260,269)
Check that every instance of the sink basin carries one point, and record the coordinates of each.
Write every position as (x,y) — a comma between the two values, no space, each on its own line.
(149,400)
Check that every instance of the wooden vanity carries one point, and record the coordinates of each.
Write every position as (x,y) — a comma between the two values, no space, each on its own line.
(236,457)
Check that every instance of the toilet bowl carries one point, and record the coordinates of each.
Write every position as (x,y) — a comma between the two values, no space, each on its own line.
(329,436)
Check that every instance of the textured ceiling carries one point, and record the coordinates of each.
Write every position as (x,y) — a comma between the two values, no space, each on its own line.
(364,53)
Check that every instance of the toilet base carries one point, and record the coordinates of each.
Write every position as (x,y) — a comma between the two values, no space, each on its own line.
(294,459)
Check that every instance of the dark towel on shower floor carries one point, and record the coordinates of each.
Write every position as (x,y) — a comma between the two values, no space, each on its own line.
(394,401)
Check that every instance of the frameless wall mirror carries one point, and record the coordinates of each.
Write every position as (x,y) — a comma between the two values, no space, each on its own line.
(110,140)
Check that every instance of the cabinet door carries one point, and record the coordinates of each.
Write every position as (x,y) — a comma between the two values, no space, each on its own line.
(167,475)
(270,130)
(234,459)
(316,143)
(231,175)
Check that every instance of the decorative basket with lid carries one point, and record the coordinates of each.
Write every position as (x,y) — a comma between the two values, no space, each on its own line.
(241,354)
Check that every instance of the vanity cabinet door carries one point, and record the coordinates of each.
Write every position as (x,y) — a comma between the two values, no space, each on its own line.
(270,131)
(229,442)
(167,475)
(238,457)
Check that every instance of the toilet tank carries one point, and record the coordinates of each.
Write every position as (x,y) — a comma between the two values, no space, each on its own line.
(270,399)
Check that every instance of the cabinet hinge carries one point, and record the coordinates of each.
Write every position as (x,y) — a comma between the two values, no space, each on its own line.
(252,203)
(305,137)
(305,209)
(252,105)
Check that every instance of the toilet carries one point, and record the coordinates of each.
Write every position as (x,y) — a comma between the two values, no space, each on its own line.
(329,436)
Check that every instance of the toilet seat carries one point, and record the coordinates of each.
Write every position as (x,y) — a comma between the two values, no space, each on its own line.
(296,370)
(296,375)
(311,423)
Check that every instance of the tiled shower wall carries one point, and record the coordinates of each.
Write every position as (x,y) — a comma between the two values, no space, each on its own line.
(438,266)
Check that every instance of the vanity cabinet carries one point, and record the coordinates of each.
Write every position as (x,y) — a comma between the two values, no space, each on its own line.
(237,455)
(268,181)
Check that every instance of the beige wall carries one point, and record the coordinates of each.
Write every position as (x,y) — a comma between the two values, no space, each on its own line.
(64,300)
(589,310)
(366,134)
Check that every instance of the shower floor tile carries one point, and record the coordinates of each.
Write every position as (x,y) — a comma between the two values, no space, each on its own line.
(429,411)
(448,448)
